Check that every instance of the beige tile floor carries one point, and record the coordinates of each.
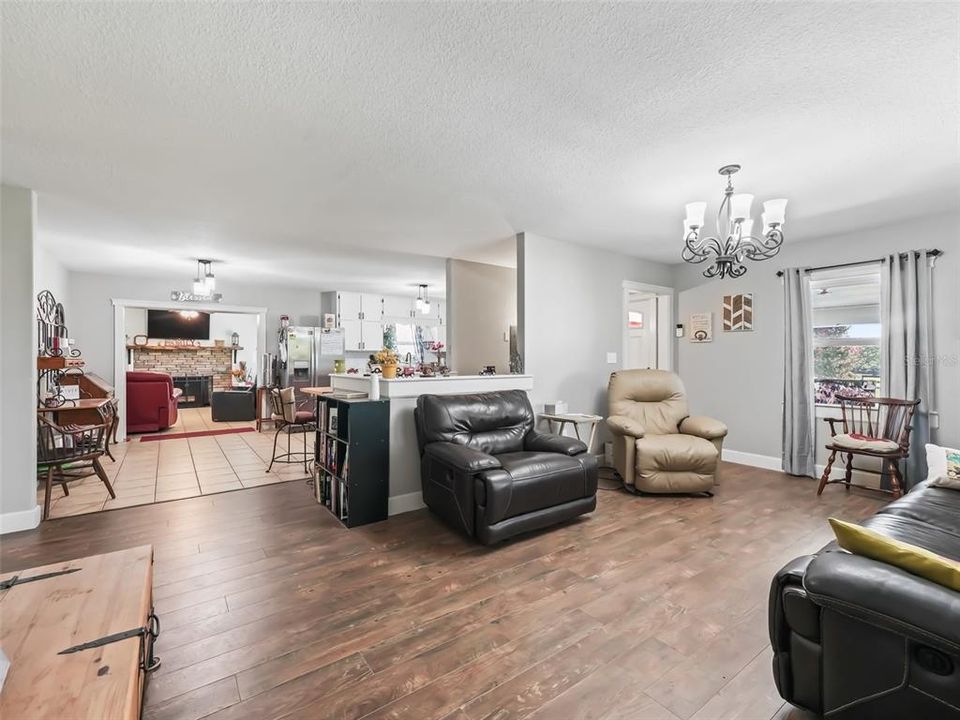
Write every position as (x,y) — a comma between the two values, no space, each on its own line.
(148,472)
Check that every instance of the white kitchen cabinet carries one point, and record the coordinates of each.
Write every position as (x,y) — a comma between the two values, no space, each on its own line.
(397,307)
(349,305)
(371,307)
(359,306)
(371,335)
(352,334)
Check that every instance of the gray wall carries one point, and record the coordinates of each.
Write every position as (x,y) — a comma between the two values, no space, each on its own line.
(50,274)
(18,364)
(571,305)
(739,376)
(90,313)
(481,307)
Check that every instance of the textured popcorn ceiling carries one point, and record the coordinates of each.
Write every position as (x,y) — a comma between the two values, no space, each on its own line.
(268,134)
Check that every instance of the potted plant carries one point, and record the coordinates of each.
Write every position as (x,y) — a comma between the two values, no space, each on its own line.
(388,361)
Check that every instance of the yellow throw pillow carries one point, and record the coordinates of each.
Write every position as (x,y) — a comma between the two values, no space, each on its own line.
(923,563)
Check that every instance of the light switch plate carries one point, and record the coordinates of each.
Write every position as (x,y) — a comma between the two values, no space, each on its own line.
(611,358)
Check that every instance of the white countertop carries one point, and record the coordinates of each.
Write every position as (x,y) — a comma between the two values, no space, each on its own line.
(434,377)
(437,385)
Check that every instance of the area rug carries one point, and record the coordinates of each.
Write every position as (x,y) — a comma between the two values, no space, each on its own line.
(198,433)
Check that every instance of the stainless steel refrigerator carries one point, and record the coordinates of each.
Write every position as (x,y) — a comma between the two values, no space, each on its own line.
(310,352)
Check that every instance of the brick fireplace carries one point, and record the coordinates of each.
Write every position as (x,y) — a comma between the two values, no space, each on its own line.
(215,362)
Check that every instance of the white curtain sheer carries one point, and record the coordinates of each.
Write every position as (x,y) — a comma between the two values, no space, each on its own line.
(799,438)
(906,345)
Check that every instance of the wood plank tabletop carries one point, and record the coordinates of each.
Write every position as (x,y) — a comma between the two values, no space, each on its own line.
(81,404)
(109,594)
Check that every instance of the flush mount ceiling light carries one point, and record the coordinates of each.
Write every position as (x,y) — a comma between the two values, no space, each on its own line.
(205,283)
(423,302)
(734,242)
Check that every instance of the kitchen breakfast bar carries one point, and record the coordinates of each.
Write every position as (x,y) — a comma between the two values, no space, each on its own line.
(405,494)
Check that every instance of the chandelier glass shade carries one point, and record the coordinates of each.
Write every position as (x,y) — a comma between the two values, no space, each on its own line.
(734,242)
(205,282)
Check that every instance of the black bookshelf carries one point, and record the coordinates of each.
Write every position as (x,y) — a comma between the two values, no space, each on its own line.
(352,454)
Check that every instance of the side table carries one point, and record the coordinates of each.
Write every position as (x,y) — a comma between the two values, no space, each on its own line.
(557,423)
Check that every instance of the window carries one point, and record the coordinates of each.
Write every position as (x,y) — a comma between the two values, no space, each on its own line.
(846,332)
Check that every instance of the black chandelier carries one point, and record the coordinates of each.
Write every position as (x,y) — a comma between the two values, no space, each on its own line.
(735,226)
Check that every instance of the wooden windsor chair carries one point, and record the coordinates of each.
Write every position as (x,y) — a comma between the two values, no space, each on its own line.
(62,450)
(871,427)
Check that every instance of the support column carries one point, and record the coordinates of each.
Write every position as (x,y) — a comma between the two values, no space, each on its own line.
(18,362)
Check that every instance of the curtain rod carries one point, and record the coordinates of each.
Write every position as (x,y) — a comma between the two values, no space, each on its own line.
(936,252)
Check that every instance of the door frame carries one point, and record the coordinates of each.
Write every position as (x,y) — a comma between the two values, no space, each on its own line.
(120,306)
(665,340)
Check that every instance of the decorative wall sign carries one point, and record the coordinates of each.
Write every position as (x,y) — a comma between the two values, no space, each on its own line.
(738,313)
(634,320)
(181,296)
(701,327)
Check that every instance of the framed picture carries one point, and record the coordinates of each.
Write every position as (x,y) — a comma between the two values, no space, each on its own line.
(701,327)
(738,312)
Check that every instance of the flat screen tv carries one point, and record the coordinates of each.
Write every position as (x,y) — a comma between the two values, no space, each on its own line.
(178,325)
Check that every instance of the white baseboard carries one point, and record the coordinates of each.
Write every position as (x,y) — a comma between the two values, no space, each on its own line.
(22,520)
(767,462)
(397,504)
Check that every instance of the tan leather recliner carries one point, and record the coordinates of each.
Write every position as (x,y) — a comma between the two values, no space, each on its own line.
(658,447)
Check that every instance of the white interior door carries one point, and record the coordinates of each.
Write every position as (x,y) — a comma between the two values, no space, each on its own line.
(642,336)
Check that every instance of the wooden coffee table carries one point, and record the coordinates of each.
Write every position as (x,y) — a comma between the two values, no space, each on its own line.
(104,601)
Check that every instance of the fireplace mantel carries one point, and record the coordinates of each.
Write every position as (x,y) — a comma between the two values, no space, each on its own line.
(215,361)
(183,348)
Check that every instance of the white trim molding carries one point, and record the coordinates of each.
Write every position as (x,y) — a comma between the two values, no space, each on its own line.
(22,520)
(405,503)
(120,306)
(769,462)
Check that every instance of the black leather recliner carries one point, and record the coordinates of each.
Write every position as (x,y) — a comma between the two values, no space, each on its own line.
(856,638)
(487,472)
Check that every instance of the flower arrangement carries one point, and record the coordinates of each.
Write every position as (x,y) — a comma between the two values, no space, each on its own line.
(386,357)
(437,347)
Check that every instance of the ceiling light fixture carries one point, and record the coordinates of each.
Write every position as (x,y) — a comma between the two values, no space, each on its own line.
(420,297)
(735,226)
(205,282)
(425,305)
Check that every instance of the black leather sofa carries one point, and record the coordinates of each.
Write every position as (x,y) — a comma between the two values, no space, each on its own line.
(856,638)
(487,472)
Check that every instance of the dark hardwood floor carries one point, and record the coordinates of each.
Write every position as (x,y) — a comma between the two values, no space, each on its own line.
(648,608)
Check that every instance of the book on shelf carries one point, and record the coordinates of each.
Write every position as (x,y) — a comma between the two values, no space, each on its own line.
(348,394)
(332,420)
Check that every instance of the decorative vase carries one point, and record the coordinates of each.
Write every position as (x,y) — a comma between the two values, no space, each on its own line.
(390,372)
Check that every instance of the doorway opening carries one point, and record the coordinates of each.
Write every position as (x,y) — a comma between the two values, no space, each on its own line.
(647,327)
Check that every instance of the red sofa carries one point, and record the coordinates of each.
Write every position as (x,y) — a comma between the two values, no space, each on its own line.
(151,401)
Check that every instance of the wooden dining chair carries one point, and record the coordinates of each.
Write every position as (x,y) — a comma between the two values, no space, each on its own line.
(871,427)
(61,451)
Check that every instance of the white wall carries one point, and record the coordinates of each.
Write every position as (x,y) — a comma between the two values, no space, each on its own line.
(92,311)
(571,310)
(50,274)
(481,307)
(223,325)
(738,377)
(18,364)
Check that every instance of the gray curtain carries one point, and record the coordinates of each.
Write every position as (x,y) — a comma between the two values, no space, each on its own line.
(906,349)
(799,446)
